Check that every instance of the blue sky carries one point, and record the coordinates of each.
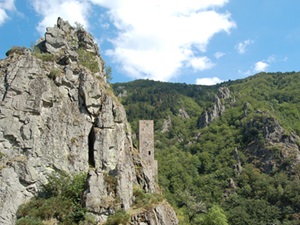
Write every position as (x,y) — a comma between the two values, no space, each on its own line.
(190,41)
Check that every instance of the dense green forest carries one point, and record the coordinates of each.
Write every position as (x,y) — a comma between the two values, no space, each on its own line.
(240,168)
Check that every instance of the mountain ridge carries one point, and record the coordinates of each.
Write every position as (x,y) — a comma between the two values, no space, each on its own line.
(246,156)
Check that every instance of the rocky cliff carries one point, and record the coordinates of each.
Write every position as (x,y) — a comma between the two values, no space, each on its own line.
(217,109)
(58,113)
(269,142)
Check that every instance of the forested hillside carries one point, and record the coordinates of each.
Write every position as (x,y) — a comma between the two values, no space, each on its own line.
(227,154)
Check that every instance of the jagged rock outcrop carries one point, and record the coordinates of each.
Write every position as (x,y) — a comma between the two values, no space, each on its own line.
(216,110)
(238,166)
(58,114)
(123,92)
(161,214)
(183,114)
(166,125)
(268,141)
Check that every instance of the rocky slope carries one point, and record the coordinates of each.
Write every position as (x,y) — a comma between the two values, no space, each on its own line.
(239,146)
(217,109)
(58,113)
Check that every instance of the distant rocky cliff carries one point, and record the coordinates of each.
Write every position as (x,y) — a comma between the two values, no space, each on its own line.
(217,109)
(58,113)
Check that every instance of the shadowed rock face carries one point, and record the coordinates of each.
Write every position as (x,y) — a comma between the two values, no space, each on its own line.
(57,113)
(268,141)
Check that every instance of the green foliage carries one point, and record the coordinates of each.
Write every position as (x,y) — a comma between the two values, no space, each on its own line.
(251,211)
(199,168)
(43,55)
(88,60)
(214,216)
(120,217)
(155,100)
(108,72)
(15,50)
(145,200)
(89,219)
(29,221)
(275,92)
(62,184)
(78,26)
(60,208)
(54,73)
(59,199)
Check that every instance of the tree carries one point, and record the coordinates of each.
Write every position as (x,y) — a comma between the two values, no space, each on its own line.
(214,216)
(108,71)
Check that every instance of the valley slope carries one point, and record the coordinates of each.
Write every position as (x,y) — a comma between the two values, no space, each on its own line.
(229,151)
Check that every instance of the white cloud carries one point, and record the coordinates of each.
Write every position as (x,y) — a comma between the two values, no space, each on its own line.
(3,16)
(219,55)
(70,10)
(242,46)
(201,63)
(208,81)
(263,65)
(260,66)
(157,38)
(5,6)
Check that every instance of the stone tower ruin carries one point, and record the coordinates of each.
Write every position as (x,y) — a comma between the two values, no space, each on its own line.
(146,144)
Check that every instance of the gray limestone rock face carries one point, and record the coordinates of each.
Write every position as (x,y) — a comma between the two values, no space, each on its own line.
(41,130)
(90,92)
(160,214)
(183,114)
(58,115)
(12,194)
(264,125)
(223,93)
(166,125)
(216,110)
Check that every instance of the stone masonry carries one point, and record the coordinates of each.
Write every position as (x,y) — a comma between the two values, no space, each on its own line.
(146,144)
